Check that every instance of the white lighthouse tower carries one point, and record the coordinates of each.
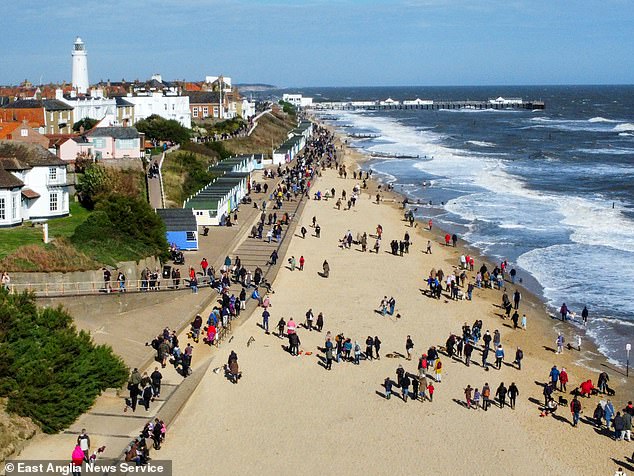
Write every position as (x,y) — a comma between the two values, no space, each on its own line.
(80,67)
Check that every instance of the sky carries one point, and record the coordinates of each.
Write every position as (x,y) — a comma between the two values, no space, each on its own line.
(295,43)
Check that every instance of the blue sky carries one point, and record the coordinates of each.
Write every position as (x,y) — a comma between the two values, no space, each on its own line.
(326,43)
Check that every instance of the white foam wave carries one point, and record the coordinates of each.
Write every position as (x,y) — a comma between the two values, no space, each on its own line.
(609,151)
(628,126)
(589,221)
(480,143)
(626,134)
(601,119)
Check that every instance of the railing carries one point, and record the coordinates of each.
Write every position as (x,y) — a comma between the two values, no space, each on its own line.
(61,288)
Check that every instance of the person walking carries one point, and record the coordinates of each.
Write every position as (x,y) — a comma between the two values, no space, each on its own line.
(486,395)
(156,378)
(560,343)
(83,440)
(326,269)
(430,390)
(320,322)
(513,393)
(329,358)
(554,376)
(517,296)
(301,263)
(575,409)
(499,356)
(438,370)
(369,345)
(468,392)
(388,387)
(409,345)
(377,347)
(563,380)
(265,320)
(405,383)
(519,355)
(500,394)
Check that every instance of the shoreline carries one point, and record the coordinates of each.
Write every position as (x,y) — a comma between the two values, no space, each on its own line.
(360,160)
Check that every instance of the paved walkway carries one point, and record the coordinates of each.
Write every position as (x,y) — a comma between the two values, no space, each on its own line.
(127,332)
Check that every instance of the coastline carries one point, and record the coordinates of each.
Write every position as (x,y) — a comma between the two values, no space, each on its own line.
(597,362)
(288,413)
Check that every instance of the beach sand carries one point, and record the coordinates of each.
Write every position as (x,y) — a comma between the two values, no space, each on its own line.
(288,415)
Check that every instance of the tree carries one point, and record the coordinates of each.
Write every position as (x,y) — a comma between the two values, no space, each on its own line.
(158,128)
(87,123)
(51,372)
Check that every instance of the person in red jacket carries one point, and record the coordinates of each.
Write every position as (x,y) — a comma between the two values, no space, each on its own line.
(301,263)
(563,380)
(447,239)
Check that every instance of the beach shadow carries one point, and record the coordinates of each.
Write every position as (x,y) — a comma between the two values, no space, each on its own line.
(535,401)
(379,312)
(460,402)
(613,369)
(550,349)
(323,275)
(321,358)
(322,364)
(380,394)
(560,418)
(508,325)
(623,464)
(398,354)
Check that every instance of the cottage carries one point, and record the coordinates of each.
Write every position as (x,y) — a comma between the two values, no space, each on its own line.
(33,184)
(115,142)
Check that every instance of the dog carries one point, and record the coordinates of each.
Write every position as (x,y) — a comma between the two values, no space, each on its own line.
(609,391)
(562,401)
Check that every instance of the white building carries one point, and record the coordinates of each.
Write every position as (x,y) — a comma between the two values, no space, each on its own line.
(94,106)
(418,102)
(33,184)
(166,104)
(246,108)
(297,100)
(389,102)
(505,101)
(80,67)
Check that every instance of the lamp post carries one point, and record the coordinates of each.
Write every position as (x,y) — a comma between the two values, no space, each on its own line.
(628,347)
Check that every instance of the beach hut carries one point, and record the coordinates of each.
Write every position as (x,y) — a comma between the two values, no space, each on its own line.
(181,227)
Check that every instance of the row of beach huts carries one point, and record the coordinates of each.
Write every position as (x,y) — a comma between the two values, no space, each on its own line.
(213,204)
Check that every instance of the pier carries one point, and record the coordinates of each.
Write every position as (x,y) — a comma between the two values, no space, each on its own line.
(428,105)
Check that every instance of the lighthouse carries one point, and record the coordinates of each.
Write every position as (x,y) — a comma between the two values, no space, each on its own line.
(80,67)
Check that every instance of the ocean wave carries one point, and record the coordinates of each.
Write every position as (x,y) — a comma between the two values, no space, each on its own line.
(626,134)
(628,126)
(480,143)
(605,150)
(601,119)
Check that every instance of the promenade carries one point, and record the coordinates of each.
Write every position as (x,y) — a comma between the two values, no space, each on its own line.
(128,332)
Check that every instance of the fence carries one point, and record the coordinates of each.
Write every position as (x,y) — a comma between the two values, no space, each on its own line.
(61,288)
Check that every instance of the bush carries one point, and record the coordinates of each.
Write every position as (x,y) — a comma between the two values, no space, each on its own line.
(160,129)
(98,181)
(50,372)
(126,226)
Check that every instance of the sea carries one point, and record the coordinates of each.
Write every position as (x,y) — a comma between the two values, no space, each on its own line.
(551,191)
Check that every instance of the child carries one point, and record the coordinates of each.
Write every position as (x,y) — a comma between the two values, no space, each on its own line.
(430,389)
(388,387)
(476,399)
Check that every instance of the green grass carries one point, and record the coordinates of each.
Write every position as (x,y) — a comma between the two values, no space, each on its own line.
(13,238)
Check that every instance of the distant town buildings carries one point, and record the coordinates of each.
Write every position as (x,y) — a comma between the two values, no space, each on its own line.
(297,100)
(47,114)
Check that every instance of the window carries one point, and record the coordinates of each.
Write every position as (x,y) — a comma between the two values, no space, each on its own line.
(99,143)
(205,111)
(52,174)
(14,206)
(215,111)
(195,112)
(24,132)
(191,236)
(2,210)
(53,202)
(125,143)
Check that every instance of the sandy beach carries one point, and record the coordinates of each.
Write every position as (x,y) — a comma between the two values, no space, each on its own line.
(288,415)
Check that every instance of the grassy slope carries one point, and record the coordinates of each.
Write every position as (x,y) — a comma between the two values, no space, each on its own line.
(13,238)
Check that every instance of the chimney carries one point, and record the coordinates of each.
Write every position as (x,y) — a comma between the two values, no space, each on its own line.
(59,93)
